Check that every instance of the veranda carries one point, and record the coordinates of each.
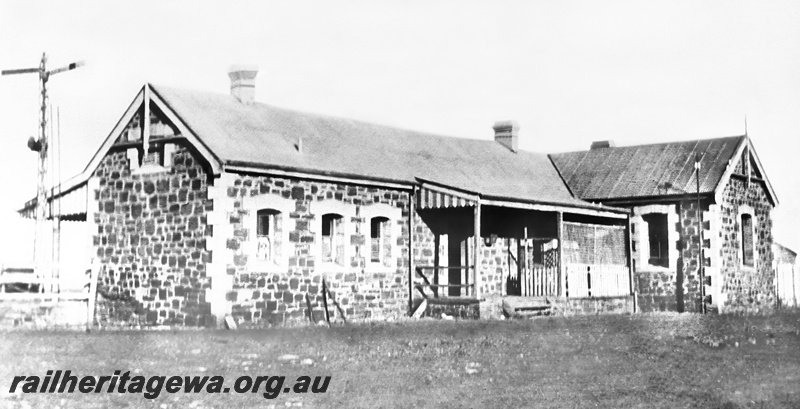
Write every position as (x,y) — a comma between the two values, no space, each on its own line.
(535,252)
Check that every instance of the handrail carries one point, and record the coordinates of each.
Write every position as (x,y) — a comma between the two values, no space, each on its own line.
(434,287)
(444,267)
(419,288)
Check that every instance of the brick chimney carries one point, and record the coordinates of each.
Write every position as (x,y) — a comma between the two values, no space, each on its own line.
(243,82)
(507,134)
(603,144)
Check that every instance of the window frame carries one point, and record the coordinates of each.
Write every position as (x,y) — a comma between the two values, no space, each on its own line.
(282,207)
(393,215)
(661,245)
(138,164)
(272,216)
(347,211)
(640,231)
(747,211)
(335,234)
(383,237)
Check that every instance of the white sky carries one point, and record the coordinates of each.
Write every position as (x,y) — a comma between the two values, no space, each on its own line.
(569,72)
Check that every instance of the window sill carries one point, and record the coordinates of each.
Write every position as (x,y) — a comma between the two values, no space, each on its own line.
(149,169)
(649,268)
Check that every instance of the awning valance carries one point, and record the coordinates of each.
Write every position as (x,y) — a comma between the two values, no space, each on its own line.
(70,204)
(436,197)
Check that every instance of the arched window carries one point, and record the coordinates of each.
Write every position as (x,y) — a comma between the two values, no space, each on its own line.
(268,228)
(748,245)
(333,238)
(380,241)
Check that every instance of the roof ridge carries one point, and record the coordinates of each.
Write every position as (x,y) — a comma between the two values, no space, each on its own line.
(641,170)
(716,138)
(254,134)
(322,116)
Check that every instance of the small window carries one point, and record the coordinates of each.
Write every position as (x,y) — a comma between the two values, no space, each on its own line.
(748,256)
(380,240)
(267,237)
(159,154)
(333,238)
(154,155)
(657,233)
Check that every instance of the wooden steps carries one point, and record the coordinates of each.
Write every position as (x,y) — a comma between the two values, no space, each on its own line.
(448,308)
(518,307)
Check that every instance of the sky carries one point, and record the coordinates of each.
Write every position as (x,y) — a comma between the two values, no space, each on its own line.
(570,72)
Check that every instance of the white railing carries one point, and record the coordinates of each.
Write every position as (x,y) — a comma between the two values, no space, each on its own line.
(44,291)
(441,287)
(13,278)
(590,280)
(535,281)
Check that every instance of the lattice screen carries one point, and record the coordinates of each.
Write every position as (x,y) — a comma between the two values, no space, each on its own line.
(594,244)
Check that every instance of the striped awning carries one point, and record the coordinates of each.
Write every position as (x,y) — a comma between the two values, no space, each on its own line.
(70,205)
(437,197)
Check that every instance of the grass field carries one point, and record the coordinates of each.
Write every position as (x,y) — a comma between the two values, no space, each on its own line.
(661,360)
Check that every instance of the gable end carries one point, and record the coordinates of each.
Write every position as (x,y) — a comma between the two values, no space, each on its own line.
(745,165)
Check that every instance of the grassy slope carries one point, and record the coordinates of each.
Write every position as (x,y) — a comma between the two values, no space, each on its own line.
(643,361)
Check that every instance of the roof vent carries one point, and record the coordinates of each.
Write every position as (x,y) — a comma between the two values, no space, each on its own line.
(506,133)
(243,82)
(603,144)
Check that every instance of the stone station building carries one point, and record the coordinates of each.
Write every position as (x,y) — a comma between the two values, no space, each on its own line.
(203,206)
(731,228)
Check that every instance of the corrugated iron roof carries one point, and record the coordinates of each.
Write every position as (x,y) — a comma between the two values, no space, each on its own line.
(261,135)
(646,170)
(784,254)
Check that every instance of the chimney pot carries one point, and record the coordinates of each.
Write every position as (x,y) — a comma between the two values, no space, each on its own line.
(243,82)
(603,144)
(506,133)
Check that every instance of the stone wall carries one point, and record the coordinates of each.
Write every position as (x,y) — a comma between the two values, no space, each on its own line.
(150,236)
(280,291)
(424,251)
(655,291)
(657,286)
(676,287)
(494,266)
(594,305)
(731,287)
(689,246)
(745,288)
